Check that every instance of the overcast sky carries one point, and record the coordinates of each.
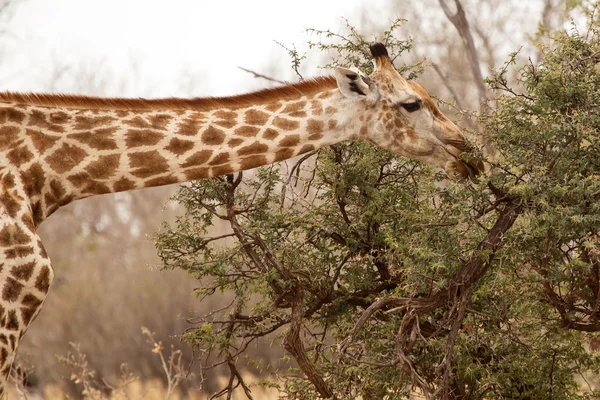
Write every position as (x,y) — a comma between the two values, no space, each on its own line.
(167,43)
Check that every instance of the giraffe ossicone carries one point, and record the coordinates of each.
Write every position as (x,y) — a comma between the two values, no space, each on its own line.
(55,149)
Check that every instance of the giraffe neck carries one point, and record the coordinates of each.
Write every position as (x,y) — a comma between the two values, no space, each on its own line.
(63,151)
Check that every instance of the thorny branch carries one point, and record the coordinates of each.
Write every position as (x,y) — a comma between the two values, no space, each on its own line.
(454,297)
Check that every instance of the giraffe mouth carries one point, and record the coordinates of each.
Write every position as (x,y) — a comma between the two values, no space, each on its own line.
(467,165)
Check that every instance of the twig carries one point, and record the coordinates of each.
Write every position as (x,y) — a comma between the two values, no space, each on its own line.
(261,76)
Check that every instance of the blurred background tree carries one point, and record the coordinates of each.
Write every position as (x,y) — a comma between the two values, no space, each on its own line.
(379,278)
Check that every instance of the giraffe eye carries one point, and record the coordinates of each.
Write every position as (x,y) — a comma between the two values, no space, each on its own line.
(411,107)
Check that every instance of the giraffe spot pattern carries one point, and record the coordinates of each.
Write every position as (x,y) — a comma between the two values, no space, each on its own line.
(253,162)
(65,158)
(270,134)
(146,164)
(179,146)
(197,158)
(286,124)
(189,127)
(254,148)
(142,137)
(289,141)
(41,142)
(99,139)
(256,117)
(213,136)
(219,159)
(104,167)
(11,290)
(247,131)
(9,114)
(10,137)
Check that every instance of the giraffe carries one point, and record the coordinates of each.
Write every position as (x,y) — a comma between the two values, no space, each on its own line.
(55,149)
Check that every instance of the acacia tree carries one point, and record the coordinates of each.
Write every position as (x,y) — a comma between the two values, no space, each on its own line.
(378,277)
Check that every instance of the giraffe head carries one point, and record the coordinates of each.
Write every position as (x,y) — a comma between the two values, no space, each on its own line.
(400,116)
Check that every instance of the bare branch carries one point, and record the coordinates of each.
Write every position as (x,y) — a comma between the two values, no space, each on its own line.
(261,76)
(460,22)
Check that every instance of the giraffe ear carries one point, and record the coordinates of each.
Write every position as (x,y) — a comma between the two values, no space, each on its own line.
(352,84)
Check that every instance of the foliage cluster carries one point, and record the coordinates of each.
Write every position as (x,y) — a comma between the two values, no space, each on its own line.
(379,277)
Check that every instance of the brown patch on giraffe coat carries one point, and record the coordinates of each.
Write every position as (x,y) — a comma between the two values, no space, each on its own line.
(306,148)
(123,185)
(160,181)
(19,156)
(10,204)
(142,137)
(219,159)
(27,221)
(298,114)
(286,124)
(198,158)
(294,107)
(8,180)
(284,154)
(147,163)
(38,118)
(158,122)
(270,134)
(66,158)
(290,141)
(9,114)
(179,146)
(225,114)
(254,148)
(10,137)
(31,301)
(221,170)
(23,272)
(42,283)
(12,322)
(213,136)
(100,139)
(253,162)
(18,252)
(33,179)
(197,173)
(11,290)
(57,194)
(226,123)
(4,358)
(189,127)
(41,141)
(59,117)
(87,122)
(27,315)
(332,124)
(235,142)
(3,340)
(42,252)
(87,187)
(247,131)
(330,110)
(315,127)
(273,106)
(256,117)
(104,167)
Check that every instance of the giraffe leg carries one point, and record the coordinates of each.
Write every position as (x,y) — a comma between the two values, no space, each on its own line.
(25,276)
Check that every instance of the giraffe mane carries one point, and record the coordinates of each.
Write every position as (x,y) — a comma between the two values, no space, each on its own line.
(286,92)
